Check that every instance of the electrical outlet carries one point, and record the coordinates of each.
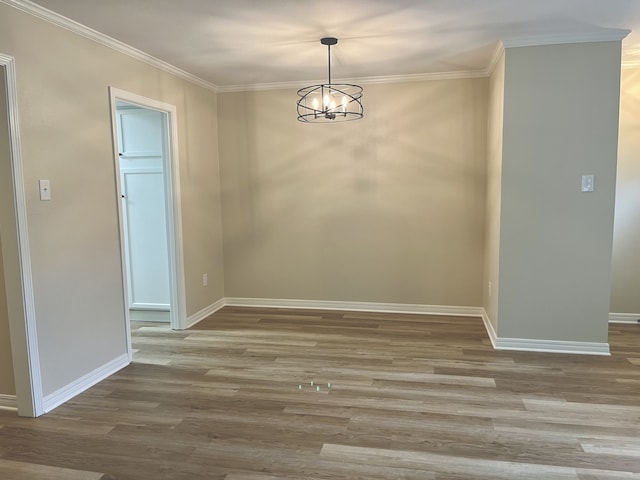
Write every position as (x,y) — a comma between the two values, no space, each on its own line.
(205,280)
(489,288)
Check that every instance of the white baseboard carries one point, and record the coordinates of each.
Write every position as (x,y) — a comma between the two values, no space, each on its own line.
(624,318)
(520,344)
(489,328)
(546,346)
(78,386)
(355,306)
(551,346)
(205,312)
(8,402)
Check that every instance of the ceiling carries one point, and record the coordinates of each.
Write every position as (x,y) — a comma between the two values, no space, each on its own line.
(232,43)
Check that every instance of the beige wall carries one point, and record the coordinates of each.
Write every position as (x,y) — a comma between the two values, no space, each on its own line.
(63,102)
(494,184)
(7,384)
(625,287)
(386,209)
(560,122)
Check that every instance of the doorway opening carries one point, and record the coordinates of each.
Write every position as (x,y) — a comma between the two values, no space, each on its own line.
(147,187)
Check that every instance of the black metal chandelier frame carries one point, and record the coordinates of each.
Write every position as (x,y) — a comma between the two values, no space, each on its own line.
(330,102)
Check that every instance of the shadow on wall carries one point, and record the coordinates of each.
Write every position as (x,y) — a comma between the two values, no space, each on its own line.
(396,199)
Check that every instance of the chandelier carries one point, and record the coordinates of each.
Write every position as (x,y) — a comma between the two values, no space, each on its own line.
(330,102)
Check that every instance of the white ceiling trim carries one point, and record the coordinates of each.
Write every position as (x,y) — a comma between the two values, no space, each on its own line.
(418,77)
(75,27)
(497,53)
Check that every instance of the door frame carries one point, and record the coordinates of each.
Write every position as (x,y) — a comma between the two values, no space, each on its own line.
(22,309)
(171,170)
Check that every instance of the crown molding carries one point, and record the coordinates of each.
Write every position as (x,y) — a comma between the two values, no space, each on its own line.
(84,31)
(417,77)
(495,57)
(609,35)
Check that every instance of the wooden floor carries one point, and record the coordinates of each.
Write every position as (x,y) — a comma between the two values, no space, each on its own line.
(411,397)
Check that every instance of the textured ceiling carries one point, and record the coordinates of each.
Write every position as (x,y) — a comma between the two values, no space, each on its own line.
(245,42)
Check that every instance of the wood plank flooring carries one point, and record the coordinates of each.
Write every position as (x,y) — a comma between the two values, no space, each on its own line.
(411,397)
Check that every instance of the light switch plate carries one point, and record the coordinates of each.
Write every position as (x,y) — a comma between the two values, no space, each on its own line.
(45,189)
(587,183)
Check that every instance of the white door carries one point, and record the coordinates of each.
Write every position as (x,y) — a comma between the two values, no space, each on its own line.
(141,140)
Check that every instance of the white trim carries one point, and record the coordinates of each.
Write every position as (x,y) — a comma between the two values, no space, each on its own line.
(534,345)
(493,62)
(164,307)
(355,306)
(551,346)
(205,312)
(84,31)
(178,310)
(85,382)
(609,35)
(136,170)
(633,318)
(174,217)
(417,77)
(489,327)
(32,406)
(8,402)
